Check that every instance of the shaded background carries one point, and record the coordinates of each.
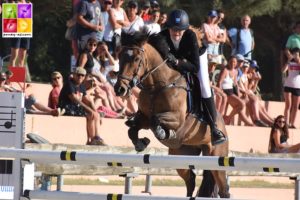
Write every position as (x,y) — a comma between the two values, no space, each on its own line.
(272,22)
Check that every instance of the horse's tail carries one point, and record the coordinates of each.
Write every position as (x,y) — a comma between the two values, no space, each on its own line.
(207,185)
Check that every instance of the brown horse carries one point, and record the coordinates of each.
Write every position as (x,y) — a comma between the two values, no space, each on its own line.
(162,107)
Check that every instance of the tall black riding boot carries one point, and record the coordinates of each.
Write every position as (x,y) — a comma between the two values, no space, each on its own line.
(217,136)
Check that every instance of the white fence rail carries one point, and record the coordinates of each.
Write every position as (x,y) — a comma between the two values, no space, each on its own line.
(92,196)
(157,161)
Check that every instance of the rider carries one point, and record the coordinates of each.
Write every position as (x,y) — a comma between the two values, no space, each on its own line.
(185,56)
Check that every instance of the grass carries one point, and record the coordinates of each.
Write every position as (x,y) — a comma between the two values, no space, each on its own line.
(169,182)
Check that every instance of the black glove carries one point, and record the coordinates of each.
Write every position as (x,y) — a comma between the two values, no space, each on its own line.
(172,60)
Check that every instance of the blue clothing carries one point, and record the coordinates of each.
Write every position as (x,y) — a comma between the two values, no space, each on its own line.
(91,12)
(245,42)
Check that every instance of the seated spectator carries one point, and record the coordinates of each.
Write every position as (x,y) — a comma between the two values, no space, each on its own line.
(228,83)
(152,26)
(249,97)
(31,104)
(74,100)
(57,84)
(220,96)
(3,87)
(279,136)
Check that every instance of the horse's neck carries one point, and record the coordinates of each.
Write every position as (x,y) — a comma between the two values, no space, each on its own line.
(162,73)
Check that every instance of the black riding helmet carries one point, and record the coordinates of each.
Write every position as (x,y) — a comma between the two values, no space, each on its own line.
(178,19)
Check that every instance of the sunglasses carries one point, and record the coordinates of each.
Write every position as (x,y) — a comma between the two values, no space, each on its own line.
(107,3)
(81,75)
(56,78)
(281,121)
(93,44)
(132,7)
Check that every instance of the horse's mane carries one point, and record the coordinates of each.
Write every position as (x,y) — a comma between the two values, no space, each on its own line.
(160,44)
(139,37)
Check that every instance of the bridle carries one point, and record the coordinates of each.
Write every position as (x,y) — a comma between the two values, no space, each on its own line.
(135,80)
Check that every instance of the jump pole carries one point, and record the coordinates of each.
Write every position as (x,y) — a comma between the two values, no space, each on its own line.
(157,161)
(91,196)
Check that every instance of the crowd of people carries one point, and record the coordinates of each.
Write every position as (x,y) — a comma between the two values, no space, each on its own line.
(98,24)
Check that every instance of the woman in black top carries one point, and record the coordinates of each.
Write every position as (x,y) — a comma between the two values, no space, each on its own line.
(184,56)
(279,136)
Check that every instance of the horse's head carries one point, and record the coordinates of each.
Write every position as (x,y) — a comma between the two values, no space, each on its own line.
(132,62)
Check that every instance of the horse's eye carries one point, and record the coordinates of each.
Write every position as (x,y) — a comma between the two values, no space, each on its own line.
(136,59)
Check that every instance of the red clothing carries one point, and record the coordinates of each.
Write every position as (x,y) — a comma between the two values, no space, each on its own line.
(146,17)
(53,97)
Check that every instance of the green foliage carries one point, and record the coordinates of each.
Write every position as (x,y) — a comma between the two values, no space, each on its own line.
(49,49)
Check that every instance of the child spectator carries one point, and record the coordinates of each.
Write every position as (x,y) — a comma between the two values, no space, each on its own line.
(279,136)
(292,88)
(74,100)
(152,26)
(57,84)
(145,11)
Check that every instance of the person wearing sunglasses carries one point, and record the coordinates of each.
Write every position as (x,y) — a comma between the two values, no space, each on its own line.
(57,84)
(73,98)
(278,142)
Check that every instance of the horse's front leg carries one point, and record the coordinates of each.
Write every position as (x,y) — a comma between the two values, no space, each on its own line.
(188,175)
(164,124)
(138,122)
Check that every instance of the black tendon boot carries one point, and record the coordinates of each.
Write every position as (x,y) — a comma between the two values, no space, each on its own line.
(217,136)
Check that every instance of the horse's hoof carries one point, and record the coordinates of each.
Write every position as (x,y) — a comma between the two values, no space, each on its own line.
(141,144)
(160,133)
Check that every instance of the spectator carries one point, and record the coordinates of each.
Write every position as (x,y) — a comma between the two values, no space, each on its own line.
(3,88)
(293,41)
(107,63)
(136,22)
(162,20)
(31,104)
(152,26)
(249,97)
(292,88)
(145,11)
(242,39)
(107,34)
(241,60)
(88,22)
(87,61)
(57,84)
(19,48)
(279,136)
(220,96)
(223,32)
(228,83)
(212,34)
(74,100)
(117,20)
(154,6)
